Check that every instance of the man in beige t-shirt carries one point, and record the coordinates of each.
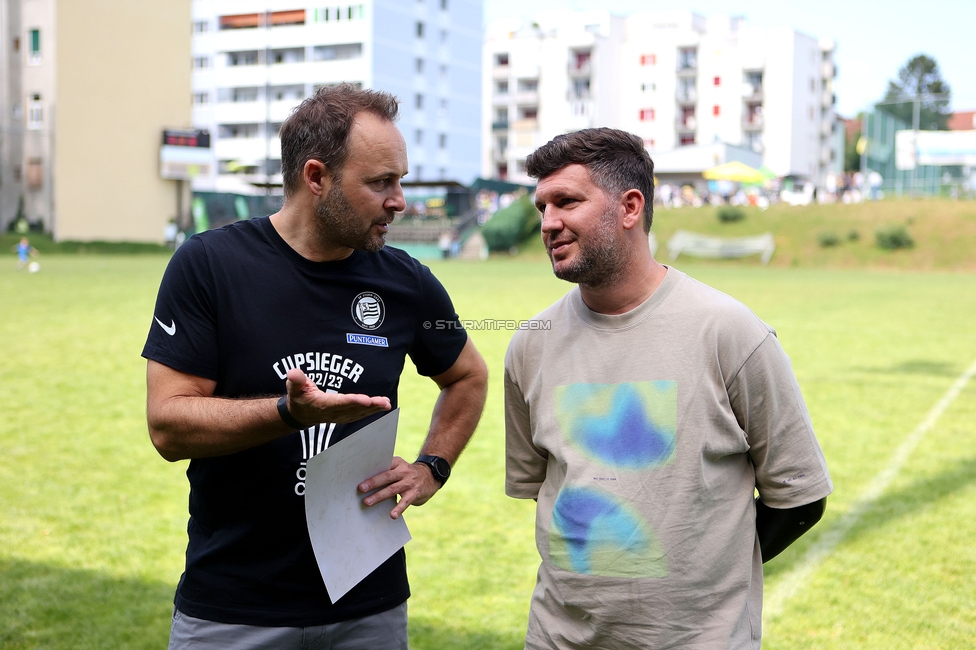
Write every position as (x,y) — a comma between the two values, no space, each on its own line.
(643,413)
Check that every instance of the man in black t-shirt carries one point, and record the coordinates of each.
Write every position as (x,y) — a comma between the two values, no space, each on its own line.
(276,337)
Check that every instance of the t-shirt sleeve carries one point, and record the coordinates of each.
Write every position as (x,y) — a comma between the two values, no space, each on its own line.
(440,337)
(790,466)
(525,464)
(183,334)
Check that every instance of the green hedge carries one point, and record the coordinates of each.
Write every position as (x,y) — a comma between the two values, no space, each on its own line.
(512,225)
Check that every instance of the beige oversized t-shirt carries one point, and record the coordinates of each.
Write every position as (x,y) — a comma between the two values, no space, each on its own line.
(643,436)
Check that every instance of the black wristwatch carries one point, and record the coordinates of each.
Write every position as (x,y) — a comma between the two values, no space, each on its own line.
(440,468)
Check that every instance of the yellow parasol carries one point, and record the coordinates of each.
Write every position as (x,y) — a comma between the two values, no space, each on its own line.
(734,171)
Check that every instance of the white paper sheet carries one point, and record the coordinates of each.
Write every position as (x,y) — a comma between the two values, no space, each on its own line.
(351,540)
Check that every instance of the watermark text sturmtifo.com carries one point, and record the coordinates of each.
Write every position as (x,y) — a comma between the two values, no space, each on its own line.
(489,324)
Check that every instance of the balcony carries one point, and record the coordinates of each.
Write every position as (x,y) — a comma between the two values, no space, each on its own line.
(752,91)
(579,70)
(499,125)
(527,98)
(687,60)
(686,96)
(752,122)
(685,124)
(826,155)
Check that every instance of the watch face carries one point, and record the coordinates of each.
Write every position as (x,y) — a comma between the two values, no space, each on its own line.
(439,467)
(442,467)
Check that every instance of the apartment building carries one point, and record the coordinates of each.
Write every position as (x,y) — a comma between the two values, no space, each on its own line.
(559,73)
(87,90)
(675,78)
(255,60)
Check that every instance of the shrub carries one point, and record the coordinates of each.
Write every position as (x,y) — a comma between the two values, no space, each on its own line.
(853,235)
(512,225)
(730,214)
(828,239)
(893,237)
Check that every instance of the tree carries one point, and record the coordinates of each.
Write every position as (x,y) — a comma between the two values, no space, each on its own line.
(919,79)
(852,135)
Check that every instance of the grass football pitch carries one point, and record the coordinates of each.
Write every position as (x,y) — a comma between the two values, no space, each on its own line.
(92,520)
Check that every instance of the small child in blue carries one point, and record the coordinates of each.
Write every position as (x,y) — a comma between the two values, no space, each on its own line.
(24,252)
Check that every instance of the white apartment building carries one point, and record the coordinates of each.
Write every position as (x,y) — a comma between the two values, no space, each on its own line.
(674,78)
(255,60)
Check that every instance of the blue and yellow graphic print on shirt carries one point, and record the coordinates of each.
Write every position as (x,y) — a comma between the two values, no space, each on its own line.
(624,428)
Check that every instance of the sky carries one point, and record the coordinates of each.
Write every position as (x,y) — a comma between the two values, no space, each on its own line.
(874,39)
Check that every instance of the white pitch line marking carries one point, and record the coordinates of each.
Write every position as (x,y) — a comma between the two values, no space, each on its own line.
(794,580)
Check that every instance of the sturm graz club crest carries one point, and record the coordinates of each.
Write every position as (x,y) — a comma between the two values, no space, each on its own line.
(368,310)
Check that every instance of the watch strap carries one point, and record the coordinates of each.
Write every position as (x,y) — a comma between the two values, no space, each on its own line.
(437,466)
(286,415)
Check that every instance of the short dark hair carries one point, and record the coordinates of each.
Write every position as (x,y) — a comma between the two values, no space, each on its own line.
(318,129)
(617,162)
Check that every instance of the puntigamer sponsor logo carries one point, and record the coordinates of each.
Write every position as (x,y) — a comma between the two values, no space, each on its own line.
(366,339)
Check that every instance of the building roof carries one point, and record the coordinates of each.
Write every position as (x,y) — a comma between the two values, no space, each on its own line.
(962,121)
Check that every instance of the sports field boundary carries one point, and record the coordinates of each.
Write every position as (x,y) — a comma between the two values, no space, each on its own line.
(794,581)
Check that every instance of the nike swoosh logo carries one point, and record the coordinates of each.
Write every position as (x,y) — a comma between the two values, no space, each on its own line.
(170,329)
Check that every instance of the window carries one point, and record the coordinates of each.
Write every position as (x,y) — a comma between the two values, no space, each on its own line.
(420,30)
(35,173)
(201,62)
(443,5)
(242,58)
(35,112)
(581,89)
(648,59)
(646,114)
(716,110)
(336,52)
(328,14)
(244,95)
(201,98)
(443,36)
(501,87)
(201,26)
(442,110)
(443,72)
(418,102)
(291,55)
(418,136)
(34,53)
(580,60)
(501,59)
(442,141)
(239,130)
(419,66)
(718,81)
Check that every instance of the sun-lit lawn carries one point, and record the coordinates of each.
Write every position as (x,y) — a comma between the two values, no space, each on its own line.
(92,521)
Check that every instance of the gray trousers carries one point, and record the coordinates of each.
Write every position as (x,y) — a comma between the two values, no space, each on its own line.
(384,631)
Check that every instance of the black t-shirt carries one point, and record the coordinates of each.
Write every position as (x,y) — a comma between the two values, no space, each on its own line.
(240,307)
